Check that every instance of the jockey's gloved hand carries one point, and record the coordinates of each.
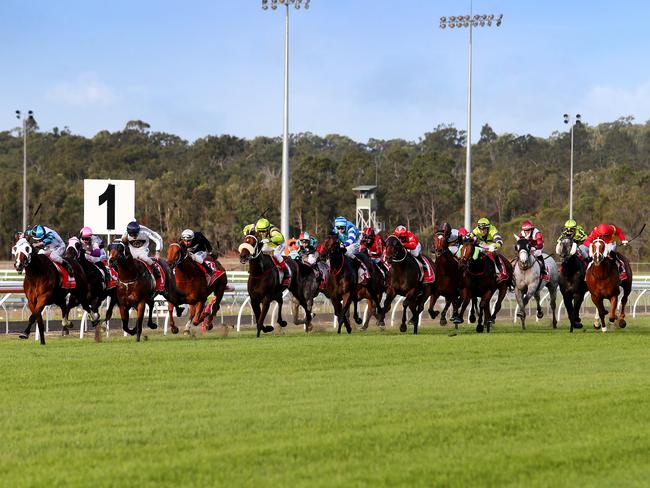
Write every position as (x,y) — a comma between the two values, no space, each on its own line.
(264,241)
(492,248)
(625,242)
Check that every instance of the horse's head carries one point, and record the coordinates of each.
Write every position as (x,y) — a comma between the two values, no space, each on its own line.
(73,249)
(331,246)
(395,250)
(22,253)
(176,254)
(467,251)
(598,250)
(250,248)
(566,247)
(116,253)
(440,243)
(523,249)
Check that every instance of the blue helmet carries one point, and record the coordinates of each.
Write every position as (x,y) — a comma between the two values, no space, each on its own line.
(38,232)
(133,228)
(340,222)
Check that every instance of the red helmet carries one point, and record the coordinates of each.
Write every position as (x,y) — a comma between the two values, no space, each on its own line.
(527,225)
(400,231)
(369,231)
(462,231)
(604,229)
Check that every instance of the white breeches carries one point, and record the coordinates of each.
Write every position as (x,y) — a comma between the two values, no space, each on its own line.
(199,256)
(55,253)
(416,252)
(141,253)
(352,248)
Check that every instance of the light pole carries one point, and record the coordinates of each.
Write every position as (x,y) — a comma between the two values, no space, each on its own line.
(470,21)
(27,121)
(284,207)
(573,120)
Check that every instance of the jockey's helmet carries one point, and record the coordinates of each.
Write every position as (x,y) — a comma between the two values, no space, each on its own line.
(38,232)
(341,223)
(133,228)
(400,231)
(604,229)
(462,231)
(527,225)
(483,223)
(86,233)
(369,232)
(570,224)
(304,236)
(262,225)
(444,229)
(187,235)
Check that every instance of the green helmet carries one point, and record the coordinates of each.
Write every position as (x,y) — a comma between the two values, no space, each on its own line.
(262,225)
(570,224)
(483,223)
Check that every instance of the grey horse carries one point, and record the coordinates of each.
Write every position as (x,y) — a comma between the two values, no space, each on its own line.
(528,284)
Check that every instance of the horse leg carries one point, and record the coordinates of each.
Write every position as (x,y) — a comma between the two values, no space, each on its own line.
(621,318)
(41,328)
(266,303)
(187,330)
(600,323)
(140,310)
(521,304)
(416,308)
(295,310)
(405,304)
(255,305)
(172,322)
(31,320)
(578,298)
(345,311)
(465,299)
(472,313)
(613,302)
(150,323)
(443,314)
(336,303)
(370,313)
(538,298)
(390,296)
(124,314)
(497,306)
(356,317)
(432,303)
(552,292)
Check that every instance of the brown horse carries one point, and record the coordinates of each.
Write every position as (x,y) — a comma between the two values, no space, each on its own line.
(603,282)
(42,287)
(97,282)
(341,284)
(404,279)
(137,287)
(264,285)
(191,281)
(479,280)
(447,280)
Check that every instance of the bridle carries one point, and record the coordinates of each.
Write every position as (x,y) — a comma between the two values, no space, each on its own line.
(406,253)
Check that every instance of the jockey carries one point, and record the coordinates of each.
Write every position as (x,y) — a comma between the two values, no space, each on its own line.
(609,234)
(307,247)
(198,247)
(137,236)
(273,241)
(577,234)
(489,240)
(347,233)
(373,243)
(93,246)
(535,238)
(49,242)
(291,248)
(411,242)
(454,237)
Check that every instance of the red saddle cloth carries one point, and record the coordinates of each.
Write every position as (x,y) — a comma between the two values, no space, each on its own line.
(160,283)
(284,270)
(428,275)
(67,281)
(112,276)
(503,275)
(324,271)
(216,273)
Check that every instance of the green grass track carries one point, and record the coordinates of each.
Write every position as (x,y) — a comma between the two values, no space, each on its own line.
(533,408)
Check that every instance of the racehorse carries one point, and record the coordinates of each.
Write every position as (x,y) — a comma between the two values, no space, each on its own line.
(479,280)
(97,282)
(264,285)
(447,280)
(572,280)
(603,282)
(42,286)
(191,281)
(528,281)
(404,279)
(309,286)
(136,287)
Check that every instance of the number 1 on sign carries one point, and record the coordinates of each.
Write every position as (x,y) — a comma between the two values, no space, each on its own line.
(108,197)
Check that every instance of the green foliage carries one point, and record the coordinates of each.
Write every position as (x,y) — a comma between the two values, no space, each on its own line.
(220,183)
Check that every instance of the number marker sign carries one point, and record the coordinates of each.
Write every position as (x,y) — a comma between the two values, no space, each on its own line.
(109,205)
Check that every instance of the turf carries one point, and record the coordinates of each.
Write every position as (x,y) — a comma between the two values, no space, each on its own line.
(534,408)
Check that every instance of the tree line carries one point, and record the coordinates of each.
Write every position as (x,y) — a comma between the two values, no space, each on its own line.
(219,183)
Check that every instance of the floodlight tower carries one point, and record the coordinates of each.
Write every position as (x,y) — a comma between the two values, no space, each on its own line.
(573,120)
(470,21)
(284,207)
(27,120)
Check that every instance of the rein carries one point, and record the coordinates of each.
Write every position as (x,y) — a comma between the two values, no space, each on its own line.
(393,260)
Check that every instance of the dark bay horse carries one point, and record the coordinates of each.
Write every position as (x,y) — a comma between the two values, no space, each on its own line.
(479,280)
(97,282)
(264,284)
(447,280)
(404,279)
(42,287)
(572,280)
(306,285)
(192,282)
(603,282)
(136,287)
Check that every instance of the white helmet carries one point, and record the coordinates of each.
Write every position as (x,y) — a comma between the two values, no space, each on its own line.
(187,235)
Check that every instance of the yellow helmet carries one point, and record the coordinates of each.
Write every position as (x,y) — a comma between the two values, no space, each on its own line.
(483,223)
(570,224)
(262,225)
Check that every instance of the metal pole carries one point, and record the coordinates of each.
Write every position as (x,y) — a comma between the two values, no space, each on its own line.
(24,174)
(284,225)
(468,160)
(571,177)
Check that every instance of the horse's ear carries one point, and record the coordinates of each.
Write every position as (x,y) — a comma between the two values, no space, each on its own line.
(515,236)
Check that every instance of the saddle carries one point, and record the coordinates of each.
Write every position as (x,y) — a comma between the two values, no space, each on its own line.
(427,274)
(503,274)
(284,272)
(111,279)
(216,273)
(67,280)
(160,282)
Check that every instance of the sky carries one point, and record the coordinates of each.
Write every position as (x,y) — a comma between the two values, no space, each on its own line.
(362,68)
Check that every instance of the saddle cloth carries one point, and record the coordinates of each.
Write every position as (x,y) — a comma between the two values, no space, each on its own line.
(67,281)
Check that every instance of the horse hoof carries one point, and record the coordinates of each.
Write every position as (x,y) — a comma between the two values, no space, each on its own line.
(283,323)
(597,324)
(443,321)
(472,318)
(540,314)
(152,325)
(23,336)
(65,332)
(612,320)
(433,314)
(622,324)
(521,315)
(411,322)
(309,328)
(358,320)
(479,328)
(577,325)
(402,328)
(382,327)
(209,327)
(268,328)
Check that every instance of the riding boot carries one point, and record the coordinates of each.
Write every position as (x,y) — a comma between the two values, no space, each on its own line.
(155,271)
(542,264)
(68,267)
